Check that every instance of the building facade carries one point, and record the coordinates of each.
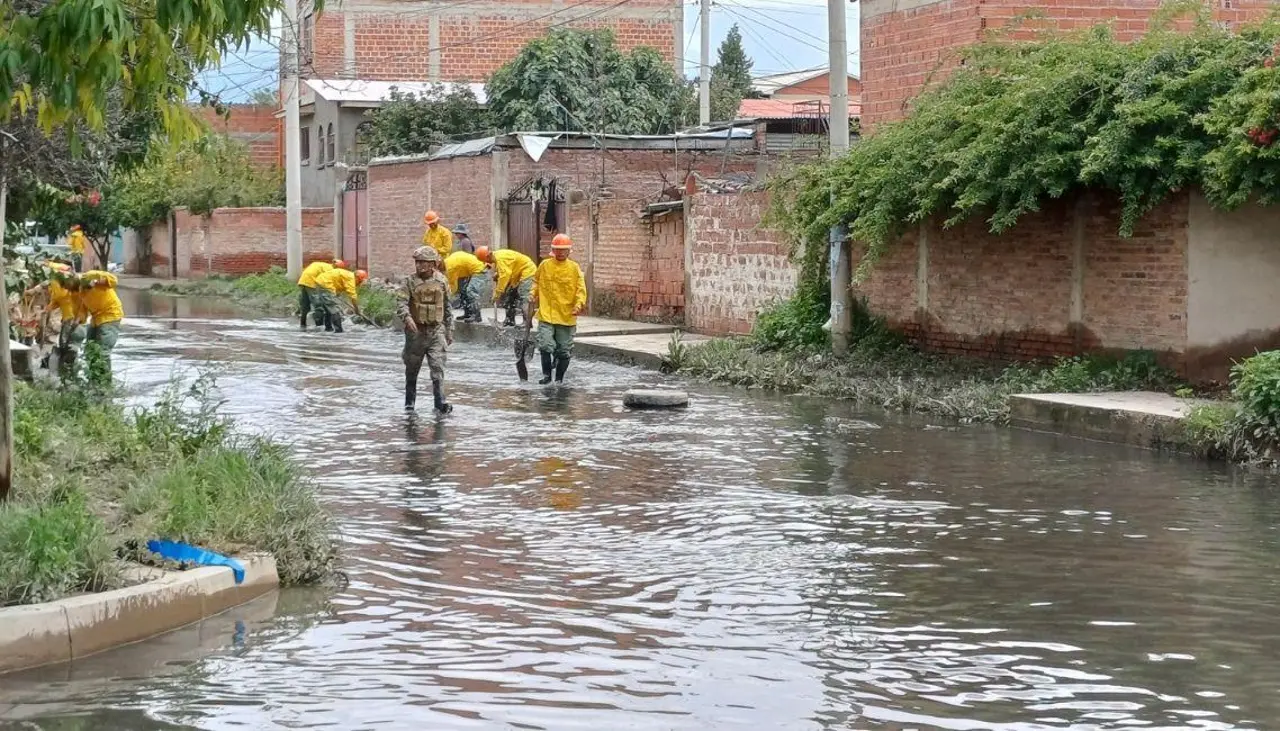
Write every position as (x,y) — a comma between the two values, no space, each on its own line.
(905,42)
(413,40)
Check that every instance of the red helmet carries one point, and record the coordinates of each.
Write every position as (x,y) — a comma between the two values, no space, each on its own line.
(361,275)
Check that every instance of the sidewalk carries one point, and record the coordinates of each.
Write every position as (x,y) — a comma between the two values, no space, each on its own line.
(622,341)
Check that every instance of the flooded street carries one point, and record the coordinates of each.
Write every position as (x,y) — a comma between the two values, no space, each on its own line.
(543,559)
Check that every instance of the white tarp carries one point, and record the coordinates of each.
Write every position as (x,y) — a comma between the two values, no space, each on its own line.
(534,145)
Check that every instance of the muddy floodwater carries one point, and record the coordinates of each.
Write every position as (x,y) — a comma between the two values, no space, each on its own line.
(543,559)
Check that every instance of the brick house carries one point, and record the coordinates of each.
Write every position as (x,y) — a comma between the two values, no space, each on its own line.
(417,40)
(1193,284)
(517,191)
(906,41)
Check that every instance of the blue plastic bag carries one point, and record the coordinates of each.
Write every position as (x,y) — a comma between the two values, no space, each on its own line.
(183,552)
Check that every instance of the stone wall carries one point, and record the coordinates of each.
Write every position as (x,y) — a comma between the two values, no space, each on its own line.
(735,266)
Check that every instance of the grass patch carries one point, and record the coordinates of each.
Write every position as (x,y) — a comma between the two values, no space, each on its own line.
(93,482)
(272,292)
(883,370)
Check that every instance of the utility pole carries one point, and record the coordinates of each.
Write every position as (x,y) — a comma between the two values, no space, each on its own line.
(704,68)
(6,358)
(841,275)
(292,142)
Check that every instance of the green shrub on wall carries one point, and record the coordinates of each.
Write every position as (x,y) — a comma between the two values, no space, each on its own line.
(1020,123)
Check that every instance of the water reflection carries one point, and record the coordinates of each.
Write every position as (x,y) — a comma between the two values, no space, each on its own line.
(544,559)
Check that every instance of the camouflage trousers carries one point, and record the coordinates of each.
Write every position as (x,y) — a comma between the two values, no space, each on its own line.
(430,343)
(556,339)
(325,303)
(516,299)
(101,340)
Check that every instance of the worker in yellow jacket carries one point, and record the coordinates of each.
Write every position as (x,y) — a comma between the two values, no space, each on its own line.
(77,242)
(325,297)
(307,287)
(559,296)
(463,270)
(514,272)
(436,236)
(63,288)
(102,304)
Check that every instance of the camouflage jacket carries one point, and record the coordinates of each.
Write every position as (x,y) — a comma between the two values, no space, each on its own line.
(404,295)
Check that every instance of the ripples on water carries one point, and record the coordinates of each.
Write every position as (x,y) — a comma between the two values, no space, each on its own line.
(543,559)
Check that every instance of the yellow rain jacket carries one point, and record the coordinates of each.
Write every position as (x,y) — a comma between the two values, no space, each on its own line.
(339,281)
(513,268)
(313,270)
(67,301)
(77,242)
(100,298)
(440,239)
(460,265)
(560,290)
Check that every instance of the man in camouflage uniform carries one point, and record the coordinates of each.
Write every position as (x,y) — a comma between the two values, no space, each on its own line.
(428,326)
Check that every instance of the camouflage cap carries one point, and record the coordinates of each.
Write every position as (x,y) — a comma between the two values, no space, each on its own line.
(426,253)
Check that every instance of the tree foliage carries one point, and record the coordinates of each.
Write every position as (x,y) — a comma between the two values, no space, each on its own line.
(576,80)
(63,58)
(409,124)
(1021,123)
(207,173)
(730,77)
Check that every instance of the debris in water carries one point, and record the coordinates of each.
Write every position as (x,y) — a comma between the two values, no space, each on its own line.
(655,398)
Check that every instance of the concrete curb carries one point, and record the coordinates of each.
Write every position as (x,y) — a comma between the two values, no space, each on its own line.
(79,626)
(1099,422)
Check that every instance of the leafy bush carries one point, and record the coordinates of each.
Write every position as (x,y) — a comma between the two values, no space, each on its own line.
(1256,387)
(1136,371)
(51,549)
(409,124)
(796,323)
(211,172)
(1019,123)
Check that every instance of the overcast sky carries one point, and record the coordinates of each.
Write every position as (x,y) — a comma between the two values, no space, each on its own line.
(778,35)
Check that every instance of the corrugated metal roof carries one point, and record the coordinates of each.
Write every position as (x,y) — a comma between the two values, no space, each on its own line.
(367,92)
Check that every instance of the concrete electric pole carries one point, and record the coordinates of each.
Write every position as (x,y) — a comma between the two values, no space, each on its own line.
(704,67)
(292,142)
(841,275)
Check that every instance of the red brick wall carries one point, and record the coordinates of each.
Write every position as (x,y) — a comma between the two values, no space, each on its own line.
(393,45)
(236,241)
(736,266)
(900,49)
(397,200)
(1011,296)
(662,296)
(618,260)
(255,125)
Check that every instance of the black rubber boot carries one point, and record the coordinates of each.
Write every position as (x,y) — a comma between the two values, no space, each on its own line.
(562,365)
(337,323)
(410,390)
(304,319)
(328,322)
(546,368)
(437,390)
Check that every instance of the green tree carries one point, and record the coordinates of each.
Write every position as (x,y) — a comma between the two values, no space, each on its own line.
(409,124)
(730,77)
(577,80)
(266,96)
(62,59)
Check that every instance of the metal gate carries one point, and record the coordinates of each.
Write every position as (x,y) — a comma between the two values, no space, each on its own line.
(527,229)
(355,220)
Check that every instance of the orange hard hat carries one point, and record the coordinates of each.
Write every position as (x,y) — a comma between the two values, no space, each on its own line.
(431,217)
(340,263)
(482,253)
(361,275)
(562,241)
(75,227)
